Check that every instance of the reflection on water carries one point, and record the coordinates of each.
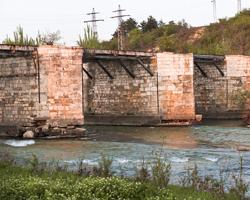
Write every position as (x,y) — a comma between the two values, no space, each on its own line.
(212,146)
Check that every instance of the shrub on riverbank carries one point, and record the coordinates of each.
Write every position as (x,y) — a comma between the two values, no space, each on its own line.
(18,182)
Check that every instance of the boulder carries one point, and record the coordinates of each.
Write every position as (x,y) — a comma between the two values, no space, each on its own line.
(45,128)
(198,118)
(28,134)
(79,131)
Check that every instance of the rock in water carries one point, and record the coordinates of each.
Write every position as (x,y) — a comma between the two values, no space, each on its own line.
(198,118)
(79,131)
(28,134)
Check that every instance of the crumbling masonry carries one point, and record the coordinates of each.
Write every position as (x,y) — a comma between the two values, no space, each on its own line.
(52,88)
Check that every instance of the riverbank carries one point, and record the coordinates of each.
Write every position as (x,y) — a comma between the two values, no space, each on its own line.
(19,182)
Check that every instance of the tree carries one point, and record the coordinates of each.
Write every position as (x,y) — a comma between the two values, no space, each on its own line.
(51,38)
(161,23)
(136,39)
(149,25)
(89,40)
(20,39)
(44,39)
(129,25)
(166,44)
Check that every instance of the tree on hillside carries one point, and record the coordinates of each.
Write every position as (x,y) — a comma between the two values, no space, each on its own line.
(161,23)
(149,25)
(240,36)
(127,26)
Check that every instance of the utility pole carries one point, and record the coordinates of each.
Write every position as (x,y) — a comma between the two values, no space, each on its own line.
(94,20)
(119,30)
(239,6)
(215,14)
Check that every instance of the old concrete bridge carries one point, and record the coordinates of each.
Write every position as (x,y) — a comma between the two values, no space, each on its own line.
(64,85)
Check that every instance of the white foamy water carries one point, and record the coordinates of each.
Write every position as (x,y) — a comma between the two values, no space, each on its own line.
(19,143)
(212,159)
(179,160)
(90,162)
(123,160)
(85,161)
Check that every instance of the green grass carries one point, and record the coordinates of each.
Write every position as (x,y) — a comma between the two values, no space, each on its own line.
(19,182)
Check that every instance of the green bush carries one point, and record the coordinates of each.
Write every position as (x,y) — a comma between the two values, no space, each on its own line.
(16,185)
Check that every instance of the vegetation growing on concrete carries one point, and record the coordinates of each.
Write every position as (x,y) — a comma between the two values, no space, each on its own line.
(89,39)
(241,99)
(48,38)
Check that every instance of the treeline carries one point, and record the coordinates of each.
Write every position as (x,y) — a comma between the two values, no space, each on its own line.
(228,36)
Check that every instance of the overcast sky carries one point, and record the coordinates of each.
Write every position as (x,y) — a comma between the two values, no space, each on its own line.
(68,15)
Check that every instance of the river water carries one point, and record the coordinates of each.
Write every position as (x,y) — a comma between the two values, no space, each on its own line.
(213,146)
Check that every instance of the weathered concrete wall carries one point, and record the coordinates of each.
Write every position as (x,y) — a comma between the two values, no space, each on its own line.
(122,95)
(47,83)
(61,84)
(212,92)
(176,94)
(18,88)
(168,93)
(123,120)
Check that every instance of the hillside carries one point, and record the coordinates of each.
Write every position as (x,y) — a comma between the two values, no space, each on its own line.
(228,36)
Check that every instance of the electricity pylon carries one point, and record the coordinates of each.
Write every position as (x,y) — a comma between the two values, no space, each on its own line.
(215,14)
(239,6)
(94,20)
(119,30)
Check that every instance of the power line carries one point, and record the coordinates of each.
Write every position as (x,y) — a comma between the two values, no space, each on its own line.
(94,20)
(119,30)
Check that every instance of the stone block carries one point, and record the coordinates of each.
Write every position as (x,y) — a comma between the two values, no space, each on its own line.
(56,130)
(69,131)
(79,131)
(45,128)
(28,134)
(198,118)
(38,129)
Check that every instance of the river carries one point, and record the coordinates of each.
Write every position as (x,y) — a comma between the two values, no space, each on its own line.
(214,145)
